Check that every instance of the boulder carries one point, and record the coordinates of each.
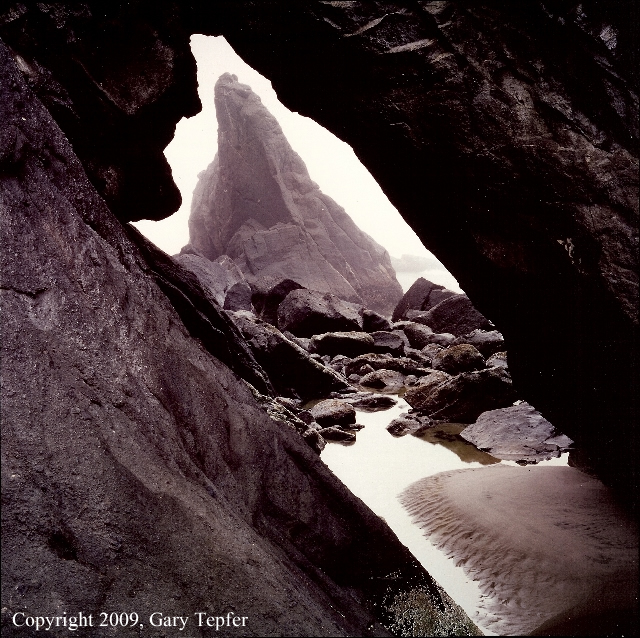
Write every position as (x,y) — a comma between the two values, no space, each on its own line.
(409,424)
(350,344)
(359,366)
(373,321)
(402,335)
(238,297)
(388,342)
(456,359)
(456,315)
(257,203)
(517,433)
(487,342)
(383,379)
(268,293)
(371,402)
(290,368)
(422,295)
(386,361)
(464,397)
(418,335)
(216,277)
(430,350)
(306,313)
(418,356)
(333,412)
(333,433)
(498,359)
(423,390)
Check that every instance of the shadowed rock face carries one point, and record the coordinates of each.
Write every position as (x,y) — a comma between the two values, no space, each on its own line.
(139,471)
(116,77)
(257,204)
(506,135)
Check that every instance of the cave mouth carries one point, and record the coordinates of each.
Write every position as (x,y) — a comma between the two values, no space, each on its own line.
(328,161)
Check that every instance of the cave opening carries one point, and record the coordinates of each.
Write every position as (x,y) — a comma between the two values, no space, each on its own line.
(331,163)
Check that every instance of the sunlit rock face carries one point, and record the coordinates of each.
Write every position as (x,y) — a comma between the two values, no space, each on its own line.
(257,204)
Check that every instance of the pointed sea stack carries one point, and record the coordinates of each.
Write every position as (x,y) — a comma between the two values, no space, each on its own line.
(256,203)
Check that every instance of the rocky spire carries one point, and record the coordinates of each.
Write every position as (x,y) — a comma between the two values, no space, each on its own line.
(256,203)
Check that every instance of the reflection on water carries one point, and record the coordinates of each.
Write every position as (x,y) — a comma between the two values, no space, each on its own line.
(448,435)
(379,466)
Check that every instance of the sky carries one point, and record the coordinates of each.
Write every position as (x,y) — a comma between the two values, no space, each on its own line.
(331,163)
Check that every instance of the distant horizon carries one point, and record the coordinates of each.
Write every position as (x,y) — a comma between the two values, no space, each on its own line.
(327,158)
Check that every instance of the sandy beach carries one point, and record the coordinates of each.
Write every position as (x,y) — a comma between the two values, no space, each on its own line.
(551,550)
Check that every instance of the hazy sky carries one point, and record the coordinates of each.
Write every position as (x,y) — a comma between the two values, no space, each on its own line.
(331,163)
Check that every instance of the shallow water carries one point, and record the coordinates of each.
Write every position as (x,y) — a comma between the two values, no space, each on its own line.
(379,466)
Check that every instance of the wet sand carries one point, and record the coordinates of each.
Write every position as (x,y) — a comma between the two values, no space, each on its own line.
(549,547)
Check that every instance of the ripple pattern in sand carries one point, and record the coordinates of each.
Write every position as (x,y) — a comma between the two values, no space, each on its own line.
(538,540)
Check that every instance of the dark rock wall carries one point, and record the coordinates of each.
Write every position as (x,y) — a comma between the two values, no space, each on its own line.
(116,77)
(139,472)
(506,134)
(257,203)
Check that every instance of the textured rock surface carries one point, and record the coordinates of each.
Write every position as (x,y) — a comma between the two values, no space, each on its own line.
(216,277)
(517,433)
(388,342)
(371,402)
(257,203)
(291,370)
(334,433)
(373,321)
(462,398)
(487,342)
(506,135)
(418,335)
(268,294)
(408,424)
(383,379)
(139,469)
(460,358)
(117,79)
(498,359)
(455,315)
(422,295)
(333,412)
(306,313)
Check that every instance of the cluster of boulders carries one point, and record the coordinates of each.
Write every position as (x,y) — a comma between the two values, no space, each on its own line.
(325,356)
